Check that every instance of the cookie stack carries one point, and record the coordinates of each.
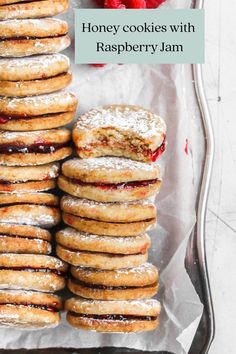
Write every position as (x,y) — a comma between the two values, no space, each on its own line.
(108,213)
(32,141)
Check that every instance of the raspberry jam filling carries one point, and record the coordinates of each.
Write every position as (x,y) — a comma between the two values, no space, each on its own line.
(22,236)
(22,38)
(105,287)
(41,307)
(107,254)
(31,269)
(42,148)
(6,118)
(124,185)
(158,152)
(111,317)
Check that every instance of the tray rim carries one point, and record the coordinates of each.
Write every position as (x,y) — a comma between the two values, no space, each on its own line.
(203,195)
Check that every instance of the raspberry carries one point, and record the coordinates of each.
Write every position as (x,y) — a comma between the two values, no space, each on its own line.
(152,4)
(114,4)
(135,4)
(98,65)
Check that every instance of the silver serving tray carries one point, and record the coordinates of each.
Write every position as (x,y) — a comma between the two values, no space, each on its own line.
(195,260)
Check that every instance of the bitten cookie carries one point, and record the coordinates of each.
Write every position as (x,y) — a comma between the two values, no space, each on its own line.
(36,209)
(38,112)
(113,219)
(22,38)
(110,179)
(24,239)
(34,148)
(122,284)
(28,178)
(29,309)
(31,9)
(31,272)
(120,130)
(34,75)
(113,316)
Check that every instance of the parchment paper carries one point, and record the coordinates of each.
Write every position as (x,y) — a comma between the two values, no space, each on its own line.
(167,90)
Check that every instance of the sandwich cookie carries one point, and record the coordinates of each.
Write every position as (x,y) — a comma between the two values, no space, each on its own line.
(38,112)
(111,219)
(24,239)
(120,130)
(100,260)
(34,148)
(34,75)
(31,8)
(80,241)
(28,178)
(122,284)
(32,272)
(29,309)
(36,209)
(110,179)
(113,316)
(22,38)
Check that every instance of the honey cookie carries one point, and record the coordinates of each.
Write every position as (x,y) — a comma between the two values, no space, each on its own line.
(110,179)
(120,130)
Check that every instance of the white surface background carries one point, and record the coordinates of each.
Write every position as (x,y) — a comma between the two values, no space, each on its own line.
(220,84)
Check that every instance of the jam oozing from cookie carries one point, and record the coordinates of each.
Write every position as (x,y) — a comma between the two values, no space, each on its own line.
(31,269)
(158,152)
(106,287)
(111,317)
(41,148)
(124,185)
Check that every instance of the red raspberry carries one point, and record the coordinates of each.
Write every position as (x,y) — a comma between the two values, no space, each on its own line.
(98,65)
(114,4)
(152,4)
(135,4)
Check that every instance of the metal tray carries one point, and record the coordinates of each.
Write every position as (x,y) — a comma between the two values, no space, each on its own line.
(195,260)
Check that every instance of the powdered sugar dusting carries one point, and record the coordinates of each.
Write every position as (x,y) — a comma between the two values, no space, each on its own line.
(109,163)
(40,62)
(131,118)
(75,202)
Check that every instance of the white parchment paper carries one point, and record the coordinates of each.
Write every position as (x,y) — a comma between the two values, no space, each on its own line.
(167,90)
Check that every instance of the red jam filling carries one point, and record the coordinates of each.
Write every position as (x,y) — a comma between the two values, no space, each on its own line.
(105,287)
(31,269)
(125,185)
(159,151)
(22,38)
(6,118)
(42,307)
(42,148)
(111,317)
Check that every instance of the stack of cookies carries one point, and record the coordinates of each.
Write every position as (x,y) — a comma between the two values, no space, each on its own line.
(32,141)
(108,213)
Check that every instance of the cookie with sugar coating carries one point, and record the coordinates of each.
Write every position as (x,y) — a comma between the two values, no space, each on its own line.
(113,316)
(35,209)
(37,112)
(121,284)
(28,178)
(22,38)
(34,75)
(20,9)
(32,272)
(29,309)
(120,130)
(24,239)
(34,148)
(110,179)
(100,260)
(75,240)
